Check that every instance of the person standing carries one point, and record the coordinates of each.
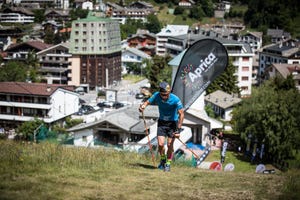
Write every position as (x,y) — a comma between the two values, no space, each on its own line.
(171,115)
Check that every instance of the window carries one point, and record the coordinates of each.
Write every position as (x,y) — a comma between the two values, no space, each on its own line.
(84,138)
(245,58)
(245,69)
(244,88)
(245,78)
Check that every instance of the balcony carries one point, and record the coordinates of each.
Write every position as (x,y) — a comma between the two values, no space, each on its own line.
(173,46)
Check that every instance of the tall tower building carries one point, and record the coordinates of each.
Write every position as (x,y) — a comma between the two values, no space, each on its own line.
(95,44)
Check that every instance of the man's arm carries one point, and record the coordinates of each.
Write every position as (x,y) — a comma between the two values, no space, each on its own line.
(143,106)
(181,117)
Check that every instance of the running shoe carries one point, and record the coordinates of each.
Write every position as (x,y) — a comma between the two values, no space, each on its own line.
(167,168)
(162,164)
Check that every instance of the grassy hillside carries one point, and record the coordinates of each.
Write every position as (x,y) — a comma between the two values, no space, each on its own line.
(48,171)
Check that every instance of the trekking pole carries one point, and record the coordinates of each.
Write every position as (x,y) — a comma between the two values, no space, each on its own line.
(189,148)
(198,159)
(147,133)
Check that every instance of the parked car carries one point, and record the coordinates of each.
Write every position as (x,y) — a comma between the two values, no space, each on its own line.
(105,104)
(139,96)
(118,105)
(85,109)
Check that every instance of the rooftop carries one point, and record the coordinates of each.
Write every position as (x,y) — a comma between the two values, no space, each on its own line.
(222,99)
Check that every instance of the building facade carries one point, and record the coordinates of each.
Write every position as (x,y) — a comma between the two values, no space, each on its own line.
(95,44)
(168,31)
(286,52)
(54,64)
(21,102)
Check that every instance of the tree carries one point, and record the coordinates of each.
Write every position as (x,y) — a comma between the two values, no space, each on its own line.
(197,13)
(273,14)
(135,68)
(130,27)
(153,24)
(272,116)
(33,65)
(226,82)
(178,10)
(39,15)
(78,13)
(13,71)
(158,71)
(49,36)
(26,130)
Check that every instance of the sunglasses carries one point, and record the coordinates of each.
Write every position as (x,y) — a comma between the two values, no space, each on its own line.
(164,94)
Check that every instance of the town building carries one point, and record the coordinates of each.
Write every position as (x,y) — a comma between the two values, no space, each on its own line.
(144,41)
(186,3)
(21,102)
(284,52)
(135,57)
(278,35)
(284,70)
(165,33)
(222,103)
(21,51)
(55,64)
(16,15)
(57,15)
(254,39)
(138,10)
(95,45)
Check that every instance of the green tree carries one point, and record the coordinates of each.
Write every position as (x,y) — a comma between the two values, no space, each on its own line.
(49,36)
(134,68)
(78,13)
(130,27)
(27,129)
(33,66)
(197,13)
(178,10)
(39,15)
(226,82)
(207,7)
(272,116)
(274,14)
(13,71)
(153,24)
(158,71)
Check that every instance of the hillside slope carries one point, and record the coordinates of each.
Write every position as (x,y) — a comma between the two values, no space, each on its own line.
(48,171)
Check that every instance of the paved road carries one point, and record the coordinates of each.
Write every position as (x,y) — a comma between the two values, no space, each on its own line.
(126,91)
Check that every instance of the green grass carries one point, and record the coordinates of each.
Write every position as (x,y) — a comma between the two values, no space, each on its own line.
(133,78)
(50,171)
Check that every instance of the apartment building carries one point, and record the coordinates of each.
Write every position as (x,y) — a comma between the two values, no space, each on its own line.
(165,33)
(285,52)
(252,38)
(21,102)
(284,70)
(95,45)
(138,10)
(55,64)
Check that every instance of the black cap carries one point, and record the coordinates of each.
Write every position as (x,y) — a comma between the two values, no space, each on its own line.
(164,87)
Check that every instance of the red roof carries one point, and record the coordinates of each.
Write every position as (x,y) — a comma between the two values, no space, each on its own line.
(41,89)
(34,43)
